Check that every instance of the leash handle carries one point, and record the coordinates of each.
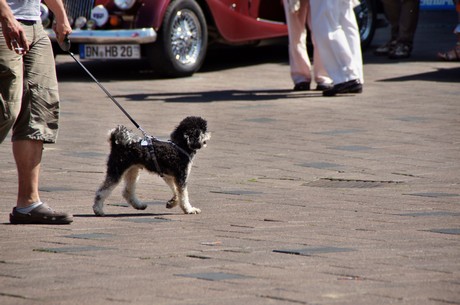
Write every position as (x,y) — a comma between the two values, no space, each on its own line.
(65,45)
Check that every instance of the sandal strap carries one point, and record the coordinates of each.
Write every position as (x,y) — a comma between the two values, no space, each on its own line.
(451,55)
(457,51)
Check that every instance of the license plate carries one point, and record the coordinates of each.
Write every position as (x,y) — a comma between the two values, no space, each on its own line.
(110,51)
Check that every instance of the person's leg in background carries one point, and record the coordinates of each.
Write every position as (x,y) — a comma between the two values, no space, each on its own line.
(351,30)
(321,77)
(331,41)
(300,66)
(333,44)
(392,10)
(408,21)
(403,18)
(454,53)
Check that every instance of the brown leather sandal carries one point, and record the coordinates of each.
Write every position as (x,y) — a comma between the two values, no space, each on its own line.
(42,214)
(451,55)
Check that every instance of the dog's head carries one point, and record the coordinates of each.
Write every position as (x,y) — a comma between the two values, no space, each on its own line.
(191,133)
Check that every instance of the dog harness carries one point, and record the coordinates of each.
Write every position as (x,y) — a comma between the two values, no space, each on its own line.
(147,141)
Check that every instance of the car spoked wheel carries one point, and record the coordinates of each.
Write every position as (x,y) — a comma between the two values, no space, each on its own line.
(182,40)
(186,37)
(366,16)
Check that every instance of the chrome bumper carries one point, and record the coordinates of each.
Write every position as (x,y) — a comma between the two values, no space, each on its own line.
(134,36)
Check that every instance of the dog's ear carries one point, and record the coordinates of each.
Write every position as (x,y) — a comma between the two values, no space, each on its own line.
(187,139)
(192,139)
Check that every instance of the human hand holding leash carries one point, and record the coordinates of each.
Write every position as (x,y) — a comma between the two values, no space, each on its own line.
(65,44)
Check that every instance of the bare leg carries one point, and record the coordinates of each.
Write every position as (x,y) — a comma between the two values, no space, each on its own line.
(28,156)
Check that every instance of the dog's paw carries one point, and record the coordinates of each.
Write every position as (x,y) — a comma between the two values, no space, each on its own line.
(171,203)
(140,206)
(98,210)
(133,201)
(193,211)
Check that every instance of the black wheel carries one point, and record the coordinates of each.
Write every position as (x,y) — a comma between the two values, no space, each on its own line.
(366,15)
(182,40)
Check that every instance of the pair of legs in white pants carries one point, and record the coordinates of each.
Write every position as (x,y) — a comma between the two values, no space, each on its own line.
(301,68)
(337,39)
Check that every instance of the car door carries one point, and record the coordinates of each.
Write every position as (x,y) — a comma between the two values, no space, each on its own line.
(246,20)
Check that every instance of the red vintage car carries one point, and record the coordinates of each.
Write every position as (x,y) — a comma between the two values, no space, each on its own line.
(173,35)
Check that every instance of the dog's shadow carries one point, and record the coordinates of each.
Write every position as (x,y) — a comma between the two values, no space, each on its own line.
(126,215)
(123,215)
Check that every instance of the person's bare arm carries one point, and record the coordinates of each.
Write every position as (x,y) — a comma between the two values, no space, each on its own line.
(12,30)
(61,24)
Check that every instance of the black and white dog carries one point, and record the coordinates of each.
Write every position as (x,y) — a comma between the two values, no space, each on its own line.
(172,160)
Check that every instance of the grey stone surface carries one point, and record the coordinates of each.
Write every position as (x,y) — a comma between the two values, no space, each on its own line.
(252,185)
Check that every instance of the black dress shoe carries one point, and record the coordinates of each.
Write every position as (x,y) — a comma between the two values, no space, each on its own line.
(324,86)
(352,86)
(303,86)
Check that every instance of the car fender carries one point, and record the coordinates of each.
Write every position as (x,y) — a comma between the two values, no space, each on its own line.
(232,26)
(151,14)
(235,27)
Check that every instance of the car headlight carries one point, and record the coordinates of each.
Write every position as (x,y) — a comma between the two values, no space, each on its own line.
(100,15)
(125,4)
(80,22)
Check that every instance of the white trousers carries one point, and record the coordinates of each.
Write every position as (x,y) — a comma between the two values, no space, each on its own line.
(337,39)
(301,68)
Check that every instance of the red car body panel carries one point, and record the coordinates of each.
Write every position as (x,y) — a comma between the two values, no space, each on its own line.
(151,13)
(236,20)
(241,22)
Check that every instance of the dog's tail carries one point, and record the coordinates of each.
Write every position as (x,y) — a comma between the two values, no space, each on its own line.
(122,136)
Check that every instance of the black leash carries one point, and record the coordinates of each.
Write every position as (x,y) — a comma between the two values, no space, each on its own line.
(65,46)
(147,140)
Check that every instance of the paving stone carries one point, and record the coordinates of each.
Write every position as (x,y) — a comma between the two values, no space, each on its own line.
(314,251)
(287,217)
(214,276)
(454,231)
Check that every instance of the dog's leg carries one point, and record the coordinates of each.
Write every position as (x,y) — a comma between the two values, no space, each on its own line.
(129,193)
(102,193)
(184,202)
(174,200)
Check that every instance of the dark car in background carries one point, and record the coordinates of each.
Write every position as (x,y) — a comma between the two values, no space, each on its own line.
(174,35)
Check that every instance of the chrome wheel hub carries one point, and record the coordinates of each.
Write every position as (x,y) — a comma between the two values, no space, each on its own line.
(186,37)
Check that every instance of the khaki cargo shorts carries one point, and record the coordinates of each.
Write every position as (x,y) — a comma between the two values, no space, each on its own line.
(29,98)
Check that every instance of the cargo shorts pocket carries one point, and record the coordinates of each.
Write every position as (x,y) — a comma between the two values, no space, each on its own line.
(39,119)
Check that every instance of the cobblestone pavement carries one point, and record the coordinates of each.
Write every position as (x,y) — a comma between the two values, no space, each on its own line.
(305,199)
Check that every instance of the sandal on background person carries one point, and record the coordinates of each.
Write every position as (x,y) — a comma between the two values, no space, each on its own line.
(451,55)
(385,49)
(401,50)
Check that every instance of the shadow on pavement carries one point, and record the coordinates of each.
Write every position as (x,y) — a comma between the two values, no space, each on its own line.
(220,96)
(448,75)
(123,215)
